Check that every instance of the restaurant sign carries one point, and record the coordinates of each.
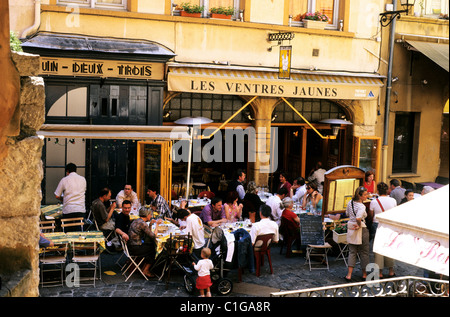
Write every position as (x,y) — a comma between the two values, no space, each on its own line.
(101,68)
(257,84)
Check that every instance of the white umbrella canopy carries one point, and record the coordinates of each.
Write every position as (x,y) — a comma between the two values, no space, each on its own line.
(416,232)
(193,121)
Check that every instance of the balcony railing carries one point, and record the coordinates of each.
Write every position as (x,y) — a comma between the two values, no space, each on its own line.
(406,286)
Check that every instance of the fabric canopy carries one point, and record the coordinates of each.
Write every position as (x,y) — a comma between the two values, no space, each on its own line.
(416,232)
(438,53)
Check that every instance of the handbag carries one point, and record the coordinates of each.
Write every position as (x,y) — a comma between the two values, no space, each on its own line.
(354,236)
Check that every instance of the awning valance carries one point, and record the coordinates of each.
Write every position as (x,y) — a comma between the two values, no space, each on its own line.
(235,81)
(438,53)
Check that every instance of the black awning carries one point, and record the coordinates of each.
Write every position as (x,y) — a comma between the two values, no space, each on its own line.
(80,46)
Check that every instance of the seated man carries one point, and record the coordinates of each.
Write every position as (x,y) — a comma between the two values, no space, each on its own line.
(194,227)
(123,221)
(265,225)
(214,213)
(127,193)
(274,202)
(159,204)
(104,217)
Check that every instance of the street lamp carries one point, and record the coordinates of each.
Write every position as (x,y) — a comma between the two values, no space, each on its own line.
(387,17)
(191,121)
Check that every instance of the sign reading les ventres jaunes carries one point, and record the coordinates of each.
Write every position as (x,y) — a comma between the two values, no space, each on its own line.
(101,68)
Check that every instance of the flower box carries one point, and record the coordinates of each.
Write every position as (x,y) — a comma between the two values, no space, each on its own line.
(192,15)
(312,24)
(220,16)
(339,237)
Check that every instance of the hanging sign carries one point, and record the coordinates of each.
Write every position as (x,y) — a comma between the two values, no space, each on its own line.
(285,62)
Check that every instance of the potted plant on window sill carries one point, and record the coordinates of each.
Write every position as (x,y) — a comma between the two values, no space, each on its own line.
(315,20)
(222,12)
(191,10)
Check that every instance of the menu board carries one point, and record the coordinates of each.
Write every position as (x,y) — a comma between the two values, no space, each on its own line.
(341,192)
(311,230)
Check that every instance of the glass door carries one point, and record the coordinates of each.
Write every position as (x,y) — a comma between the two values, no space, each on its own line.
(367,151)
(154,168)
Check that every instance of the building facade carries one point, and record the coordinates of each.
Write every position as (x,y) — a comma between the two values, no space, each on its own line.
(138,62)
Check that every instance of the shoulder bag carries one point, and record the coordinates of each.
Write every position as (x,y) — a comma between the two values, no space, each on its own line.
(354,236)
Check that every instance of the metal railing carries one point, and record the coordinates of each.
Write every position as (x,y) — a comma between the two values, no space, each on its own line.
(405,286)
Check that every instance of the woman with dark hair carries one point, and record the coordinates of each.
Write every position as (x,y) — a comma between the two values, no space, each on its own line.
(369,182)
(313,196)
(357,232)
(252,202)
(409,195)
(233,211)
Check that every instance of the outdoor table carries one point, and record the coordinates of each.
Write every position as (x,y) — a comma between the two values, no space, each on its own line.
(162,237)
(51,211)
(264,196)
(193,203)
(59,238)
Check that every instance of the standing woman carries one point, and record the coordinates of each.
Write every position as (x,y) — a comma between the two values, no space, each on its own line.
(369,182)
(357,232)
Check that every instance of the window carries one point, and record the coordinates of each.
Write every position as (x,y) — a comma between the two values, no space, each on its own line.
(432,7)
(208,4)
(328,7)
(405,148)
(66,101)
(105,4)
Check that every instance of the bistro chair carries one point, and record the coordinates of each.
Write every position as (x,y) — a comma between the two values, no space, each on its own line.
(87,256)
(290,233)
(317,251)
(206,193)
(198,188)
(72,222)
(261,248)
(134,262)
(55,257)
(47,226)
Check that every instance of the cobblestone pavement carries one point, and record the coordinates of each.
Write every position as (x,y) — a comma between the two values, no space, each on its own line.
(289,274)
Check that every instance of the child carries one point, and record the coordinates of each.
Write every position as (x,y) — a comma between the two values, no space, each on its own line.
(203,267)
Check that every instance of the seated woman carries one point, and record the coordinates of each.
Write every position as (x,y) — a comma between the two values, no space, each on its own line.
(313,196)
(252,202)
(288,214)
(369,183)
(233,211)
(409,195)
(142,239)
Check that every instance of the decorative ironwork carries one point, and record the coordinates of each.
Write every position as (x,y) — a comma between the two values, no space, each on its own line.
(407,286)
(281,37)
(387,17)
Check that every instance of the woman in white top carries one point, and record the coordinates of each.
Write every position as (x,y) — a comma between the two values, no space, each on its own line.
(377,206)
(357,232)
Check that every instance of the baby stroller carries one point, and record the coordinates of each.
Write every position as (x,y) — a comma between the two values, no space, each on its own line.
(221,285)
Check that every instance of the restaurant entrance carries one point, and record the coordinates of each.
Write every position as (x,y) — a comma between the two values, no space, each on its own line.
(300,148)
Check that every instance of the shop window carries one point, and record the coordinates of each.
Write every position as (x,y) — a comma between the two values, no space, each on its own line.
(64,101)
(405,145)
(328,7)
(367,153)
(216,107)
(104,4)
(313,110)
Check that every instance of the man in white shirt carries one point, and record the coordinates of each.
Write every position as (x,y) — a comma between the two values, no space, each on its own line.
(127,193)
(265,225)
(194,226)
(274,202)
(71,191)
(318,176)
(298,190)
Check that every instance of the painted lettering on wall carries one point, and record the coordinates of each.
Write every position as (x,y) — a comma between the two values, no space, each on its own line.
(101,68)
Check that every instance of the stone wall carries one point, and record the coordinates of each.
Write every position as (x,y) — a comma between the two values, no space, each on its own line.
(21,175)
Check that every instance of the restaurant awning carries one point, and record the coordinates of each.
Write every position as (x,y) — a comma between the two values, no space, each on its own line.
(417,232)
(160,133)
(438,53)
(232,80)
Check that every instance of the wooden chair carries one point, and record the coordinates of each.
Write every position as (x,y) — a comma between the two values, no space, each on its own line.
(72,222)
(261,248)
(198,188)
(206,193)
(290,233)
(47,226)
(55,257)
(87,253)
